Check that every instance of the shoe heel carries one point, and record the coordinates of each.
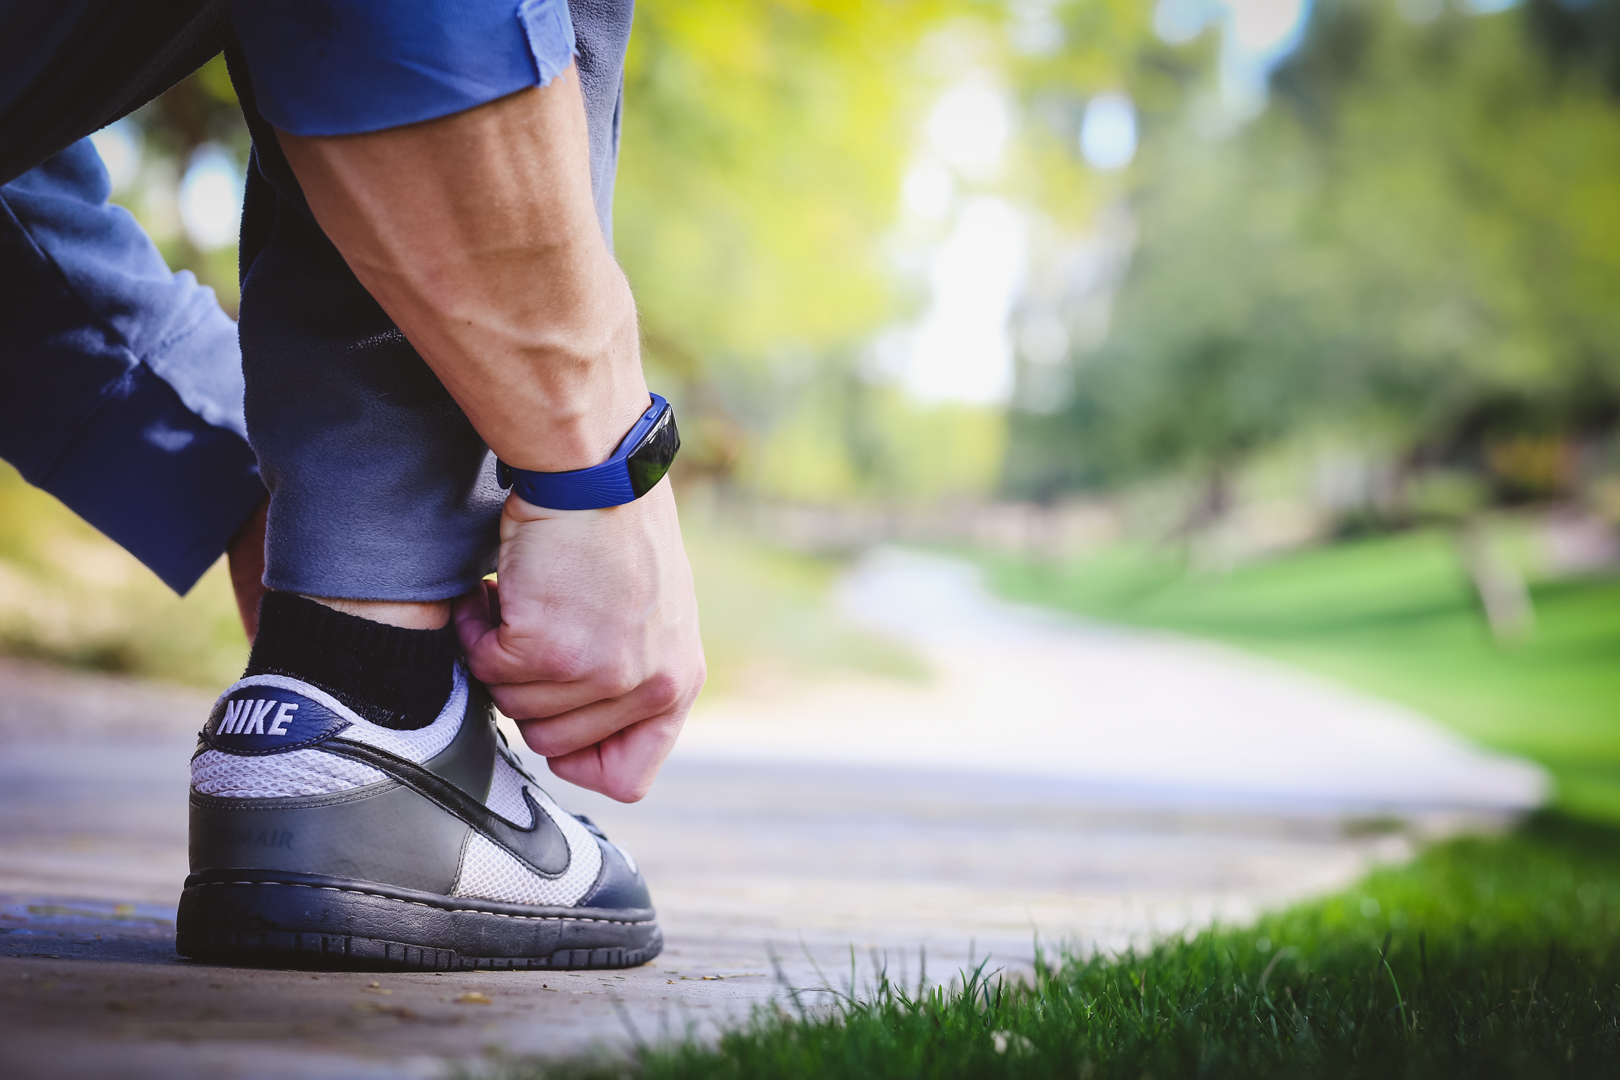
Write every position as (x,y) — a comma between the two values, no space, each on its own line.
(287,925)
(330,923)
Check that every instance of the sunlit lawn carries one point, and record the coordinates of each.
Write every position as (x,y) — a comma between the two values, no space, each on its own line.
(1396,616)
(1483,958)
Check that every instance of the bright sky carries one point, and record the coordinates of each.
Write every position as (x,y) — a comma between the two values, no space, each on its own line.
(211,197)
(1256,34)
(1108,132)
(961,350)
(119,145)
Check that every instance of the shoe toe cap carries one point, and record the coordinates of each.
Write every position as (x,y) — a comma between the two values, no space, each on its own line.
(620,884)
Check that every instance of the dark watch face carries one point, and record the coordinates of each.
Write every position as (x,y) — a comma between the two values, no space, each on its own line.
(650,461)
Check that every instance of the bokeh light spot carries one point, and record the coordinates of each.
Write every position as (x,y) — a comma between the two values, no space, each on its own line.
(1108,132)
(211,197)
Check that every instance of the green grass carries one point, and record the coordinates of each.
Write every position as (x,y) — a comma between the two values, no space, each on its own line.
(1395,616)
(1483,958)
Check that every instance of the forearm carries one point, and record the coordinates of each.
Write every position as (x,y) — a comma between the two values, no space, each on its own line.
(478,235)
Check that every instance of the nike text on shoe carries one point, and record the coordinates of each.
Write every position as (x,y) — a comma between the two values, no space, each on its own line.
(320,839)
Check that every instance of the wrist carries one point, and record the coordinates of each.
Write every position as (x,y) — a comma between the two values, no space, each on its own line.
(517,512)
(588,390)
(575,431)
(639,460)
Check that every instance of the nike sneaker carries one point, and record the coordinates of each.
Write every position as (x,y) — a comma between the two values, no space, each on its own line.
(321,839)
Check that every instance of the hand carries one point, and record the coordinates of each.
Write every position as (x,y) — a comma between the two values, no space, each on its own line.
(590,638)
(246,557)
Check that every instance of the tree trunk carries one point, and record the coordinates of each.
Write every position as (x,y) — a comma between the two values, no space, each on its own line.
(1502,591)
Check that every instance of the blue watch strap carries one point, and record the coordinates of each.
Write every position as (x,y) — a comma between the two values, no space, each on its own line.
(640,460)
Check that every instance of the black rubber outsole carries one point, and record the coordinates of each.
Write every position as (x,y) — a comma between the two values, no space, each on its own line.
(346,926)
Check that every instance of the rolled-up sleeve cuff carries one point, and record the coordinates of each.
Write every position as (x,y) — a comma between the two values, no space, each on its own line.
(120,383)
(158,479)
(350,66)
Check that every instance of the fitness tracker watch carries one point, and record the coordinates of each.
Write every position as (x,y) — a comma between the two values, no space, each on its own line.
(639,461)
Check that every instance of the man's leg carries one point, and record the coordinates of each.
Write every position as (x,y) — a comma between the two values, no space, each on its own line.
(383,501)
(356,741)
(477,234)
(380,488)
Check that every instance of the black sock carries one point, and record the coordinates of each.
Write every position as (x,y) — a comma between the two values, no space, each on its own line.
(391,676)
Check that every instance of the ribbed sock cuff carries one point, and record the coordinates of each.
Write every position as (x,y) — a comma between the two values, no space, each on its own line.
(391,676)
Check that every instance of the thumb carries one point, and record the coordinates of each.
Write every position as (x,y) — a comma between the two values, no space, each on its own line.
(477,616)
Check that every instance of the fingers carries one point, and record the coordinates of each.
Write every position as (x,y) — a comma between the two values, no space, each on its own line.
(543,700)
(563,734)
(495,656)
(475,614)
(624,765)
(591,641)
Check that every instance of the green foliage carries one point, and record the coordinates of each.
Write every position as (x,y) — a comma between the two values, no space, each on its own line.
(1419,240)
(762,147)
(1484,958)
(761,152)
(841,438)
(1397,616)
(202,108)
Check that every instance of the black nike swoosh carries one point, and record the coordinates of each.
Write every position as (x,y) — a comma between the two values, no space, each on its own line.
(541,847)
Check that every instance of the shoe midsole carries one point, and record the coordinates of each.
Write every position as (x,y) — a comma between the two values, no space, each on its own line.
(235,902)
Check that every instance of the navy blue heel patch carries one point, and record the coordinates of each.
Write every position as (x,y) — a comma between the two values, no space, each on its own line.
(269,720)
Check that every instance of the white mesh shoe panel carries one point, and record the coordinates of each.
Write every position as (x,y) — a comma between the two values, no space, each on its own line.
(423,743)
(278,776)
(488,872)
(506,794)
(315,772)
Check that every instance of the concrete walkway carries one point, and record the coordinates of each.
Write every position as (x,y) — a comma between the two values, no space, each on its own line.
(1088,784)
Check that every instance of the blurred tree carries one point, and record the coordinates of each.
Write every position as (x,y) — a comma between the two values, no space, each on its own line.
(1418,242)
(1579,33)
(763,142)
(198,113)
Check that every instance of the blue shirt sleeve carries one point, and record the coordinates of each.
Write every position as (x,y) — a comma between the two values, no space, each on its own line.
(120,382)
(338,67)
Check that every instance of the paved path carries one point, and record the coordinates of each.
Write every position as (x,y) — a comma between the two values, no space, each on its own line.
(1090,784)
